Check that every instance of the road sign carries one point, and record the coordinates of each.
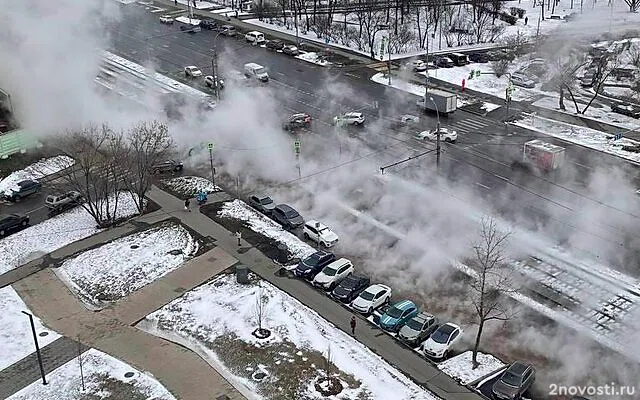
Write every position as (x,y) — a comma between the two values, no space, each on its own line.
(296,146)
(618,136)
(475,73)
(210,146)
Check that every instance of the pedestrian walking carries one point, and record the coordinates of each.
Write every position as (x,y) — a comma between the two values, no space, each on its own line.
(239,237)
(186,205)
(526,20)
(353,325)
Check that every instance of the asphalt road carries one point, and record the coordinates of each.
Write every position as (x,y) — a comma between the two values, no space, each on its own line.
(481,158)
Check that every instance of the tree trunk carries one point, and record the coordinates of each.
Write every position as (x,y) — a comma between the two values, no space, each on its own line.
(561,99)
(573,98)
(419,28)
(474,358)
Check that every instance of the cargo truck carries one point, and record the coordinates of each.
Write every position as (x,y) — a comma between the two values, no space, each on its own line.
(541,155)
(445,102)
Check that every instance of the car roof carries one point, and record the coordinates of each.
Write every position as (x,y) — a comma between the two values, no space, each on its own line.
(404,304)
(423,317)
(376,288)
(339,262)
(448,328)
(518,368)
(255,32)
(284,207)
(354,114)
(313,222)
(24,182)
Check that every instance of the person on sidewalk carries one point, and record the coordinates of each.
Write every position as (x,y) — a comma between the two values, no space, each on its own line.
(239,237)
(353,325)
(526,20)
(175,2)
(186,205)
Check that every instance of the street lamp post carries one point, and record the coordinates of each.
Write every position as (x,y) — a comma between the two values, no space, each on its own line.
(388,29)
(214,66)
(35,341)
(437,132)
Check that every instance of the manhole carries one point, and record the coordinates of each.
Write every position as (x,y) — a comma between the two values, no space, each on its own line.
(259,375)
(134,246)
(129,375)
(43,334)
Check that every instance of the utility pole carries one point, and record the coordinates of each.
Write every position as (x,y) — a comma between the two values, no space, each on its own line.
(437,133)
(214,71)
(213,170)
(35,340)
(296,148)
(80,361)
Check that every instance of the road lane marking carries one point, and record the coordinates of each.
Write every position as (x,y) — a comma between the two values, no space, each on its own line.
(501,177)
(484,186)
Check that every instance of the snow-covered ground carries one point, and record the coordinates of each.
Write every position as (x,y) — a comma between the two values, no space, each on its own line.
(313,58)
(15,329)
(104,377)
(237,209)
(461,369)
(584,136)
(54,233)
(114,270)
(35,171)
(200,318)
(190,185)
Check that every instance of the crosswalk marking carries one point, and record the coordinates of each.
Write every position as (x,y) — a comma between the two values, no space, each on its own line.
(469,125)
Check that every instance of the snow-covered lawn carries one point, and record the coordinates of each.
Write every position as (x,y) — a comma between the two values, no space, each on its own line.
(584,136)
(15,329)
(114,270)
(54,233)
(313,58)
(238,209)
(105,377)
(461,369)
(35,171)
(190,185)
(293,356)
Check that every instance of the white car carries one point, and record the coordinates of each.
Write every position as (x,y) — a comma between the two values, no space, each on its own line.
(373,297)
(441,341)
(523,80)
(350,118)
(192,71)
(319,233)
(211,82)
(419,65)
(333,274)
(166,19)
(255,37)
(448,135)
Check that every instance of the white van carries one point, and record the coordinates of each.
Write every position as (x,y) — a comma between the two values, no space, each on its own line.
(256,71)
(255,37)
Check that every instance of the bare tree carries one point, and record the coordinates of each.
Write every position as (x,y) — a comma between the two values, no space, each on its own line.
(634,5)
(500,67)
(604,67)
(492,281)
(260,313)
(481,25)
(149,144)
(564,68)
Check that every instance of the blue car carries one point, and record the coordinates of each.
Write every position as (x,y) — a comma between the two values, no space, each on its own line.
(397,315)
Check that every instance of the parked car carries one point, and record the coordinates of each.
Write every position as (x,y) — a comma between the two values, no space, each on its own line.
(502,54)
(459,59)
(12,222)
(627,109)
(167,166)
(444,62)
(286,216)
(523,81)
(228,30)
(190,28)
(479,57)
(350,288)
(192,71)
(318,232)
(23,189)
(297,121)
(397,315)
(166,19)
(310,266)
(418,329)
(208,24)
(373,297)
(254,37)
(350,118)
(440,342)
(446,134)
(515,381)
(210,81)
(290,50)
(333,274)
(419,65)
(275,44)
(262,203)
(69,199)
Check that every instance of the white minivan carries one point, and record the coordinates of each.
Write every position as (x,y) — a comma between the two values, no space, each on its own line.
(256,71)
(255,37)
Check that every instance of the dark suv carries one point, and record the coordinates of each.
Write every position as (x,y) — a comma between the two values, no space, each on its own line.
(287,217)
(23,189)
(309,267)
(12,223)
(515,381)
(167,166)
(208,24)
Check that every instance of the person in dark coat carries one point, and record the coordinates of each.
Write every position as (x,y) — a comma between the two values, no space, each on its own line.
(353,325)
(186,205)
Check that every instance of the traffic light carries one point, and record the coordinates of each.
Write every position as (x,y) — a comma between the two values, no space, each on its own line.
(475,73)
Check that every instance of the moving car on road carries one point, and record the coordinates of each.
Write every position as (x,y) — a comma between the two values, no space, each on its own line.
(192,71)
(397,315)
(23,189)
(254,37)
(297,121)
(350,118)
(309,267)
(12,222)
(208,24)
(62,202)
(419,65)
(262,203)
(286,216)
(373,297)
(447,135)
(333,274)
(418,329)
(228,30)
(440,342)
(290,50)
(167,166)
(275,44)
(319,233)
(166,19)
(210,81)
(515,381)
(627,109)
(190,28)
(350,288)
(256,71)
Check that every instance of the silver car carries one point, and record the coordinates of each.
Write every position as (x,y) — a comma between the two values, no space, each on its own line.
(418,329)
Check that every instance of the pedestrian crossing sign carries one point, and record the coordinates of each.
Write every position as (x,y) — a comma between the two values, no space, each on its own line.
(296,146)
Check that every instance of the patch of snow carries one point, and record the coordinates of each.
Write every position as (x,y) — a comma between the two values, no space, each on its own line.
(238,209)
(461,369)
(97,367)
(488,107)
(397,83)
(114,270)
(15,329)
(54,233)
(203,314)
(199,5)
(191,185)
(35,171)
(188,21)
(313,58)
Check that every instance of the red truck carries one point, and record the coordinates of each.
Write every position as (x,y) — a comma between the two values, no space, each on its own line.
(544,156)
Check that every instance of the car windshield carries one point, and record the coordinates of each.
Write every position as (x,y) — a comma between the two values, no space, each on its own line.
(328,271)
(260,70)
(312,260)
(414,324)
(291,214)
(367,296)
(441,335)
(349,282)
(394,312)
(266,200)
(511,379)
